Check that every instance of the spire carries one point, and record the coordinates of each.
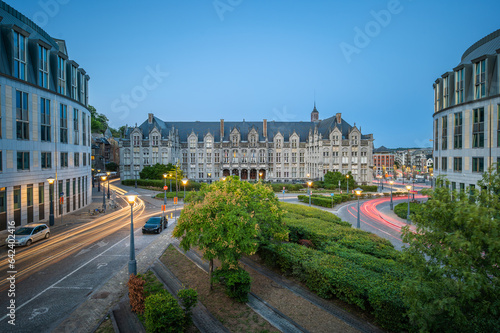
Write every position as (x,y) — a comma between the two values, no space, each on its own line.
(314,114)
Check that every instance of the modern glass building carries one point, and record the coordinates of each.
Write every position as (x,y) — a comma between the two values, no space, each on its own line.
(44,124)
(466,115)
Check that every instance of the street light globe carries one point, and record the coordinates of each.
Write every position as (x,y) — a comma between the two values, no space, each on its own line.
(408,187)
(108,173)
(223,179)
(309,183)
(209,175)
(51,180)
(184,181)
(391,182)
(98,170)
(103,178)
(165,175)
(358,191)
(347,176)
(131,196)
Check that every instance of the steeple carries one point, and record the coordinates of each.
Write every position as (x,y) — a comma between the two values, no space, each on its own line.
(314,114)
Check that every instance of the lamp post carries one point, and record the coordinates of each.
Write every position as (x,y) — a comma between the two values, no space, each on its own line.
(93,177)
(164,193)
(358,194)
(309,184)
(108,174)
(209,175)
(184,182)
(391,182)
(408,187)
(260,175)
(132,264)
(103,178)
(51,181)
(432,178)
(347,176)
(98,181)
(135,177)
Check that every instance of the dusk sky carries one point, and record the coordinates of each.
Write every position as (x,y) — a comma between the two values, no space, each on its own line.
(373,61)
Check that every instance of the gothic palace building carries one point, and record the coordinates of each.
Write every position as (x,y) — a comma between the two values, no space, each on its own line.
(270,150)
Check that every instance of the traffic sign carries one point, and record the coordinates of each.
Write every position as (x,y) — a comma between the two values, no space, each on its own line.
(283,191)
(165,188)
(283,188)
(175,200)
(61,194)
(332,194)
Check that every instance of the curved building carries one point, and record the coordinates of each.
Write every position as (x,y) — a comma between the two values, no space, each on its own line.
(44,124)
(466,115)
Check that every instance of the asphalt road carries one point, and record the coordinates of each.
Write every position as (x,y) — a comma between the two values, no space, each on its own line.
(54,276)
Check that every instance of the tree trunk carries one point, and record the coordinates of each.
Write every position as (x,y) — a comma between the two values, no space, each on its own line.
(210,271)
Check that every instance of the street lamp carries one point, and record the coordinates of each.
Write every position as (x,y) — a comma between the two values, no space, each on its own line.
(165,193)
(391,182)
(108,173)
(260,175)
(103,178)
(98,182)
(432,178)
(209,175)
(132,265)
(309,184)
(408,187)
(51,181)
(184,182)
(223,179)
(135,177)
(93,177)
(358,194)
(347,176)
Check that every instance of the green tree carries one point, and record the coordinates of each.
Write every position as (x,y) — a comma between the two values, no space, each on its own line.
(227,219)
(98,121)
(454,258)
(112,166)
(333,178)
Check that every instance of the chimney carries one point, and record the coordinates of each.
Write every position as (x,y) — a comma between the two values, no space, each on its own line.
(221,130)
(150,118)
(264,128)
(339,118)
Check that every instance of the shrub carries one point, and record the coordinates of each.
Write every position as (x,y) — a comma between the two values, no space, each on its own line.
(158,184)
(136,293)
(163,313)
(189,298)
(401,209)
(236,281)
(369,188)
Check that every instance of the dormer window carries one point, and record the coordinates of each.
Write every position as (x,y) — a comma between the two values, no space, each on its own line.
(459,86)
(137,140)
(294,143)
(61,75)
(208,143)
(480,79)
(446,87)
(74,82)
(253,140)
(278,143)
(43,67)
(354,140)
(19,56)
(192,142)
(335,140)
(154,140)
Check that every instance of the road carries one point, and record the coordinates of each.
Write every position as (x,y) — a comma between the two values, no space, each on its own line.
(54,276)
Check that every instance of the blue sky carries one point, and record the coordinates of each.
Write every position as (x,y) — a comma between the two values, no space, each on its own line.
(206,60)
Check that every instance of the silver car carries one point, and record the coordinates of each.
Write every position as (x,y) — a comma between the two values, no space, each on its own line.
(29,233)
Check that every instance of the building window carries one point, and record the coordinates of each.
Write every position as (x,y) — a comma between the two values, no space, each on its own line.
(457,131)
(444,133)
(22,118)
(294,143)
(208,143)
(76,159)
(436,98)
(217,157)
(184,158)
(446,91)
(84,159)
(478,128)
(137,140)
(23,160)
(45,119)
(84,129)
(154,140)
(477,164)
(19,56)
(480,81)
(61,75)
(82,88)
(278,143)
(63,117)
(17,197)
(294,157)
(64,160)
(262,156)
(436,133)
(301,157)
(46,160)
(498,125)
(444,163)
(74,82)
(192,142)
(76,127)
(459,86)
(270,156)
(43,67)
(192,158)
(1,161)
(457,164)
(285,157)
(278,157)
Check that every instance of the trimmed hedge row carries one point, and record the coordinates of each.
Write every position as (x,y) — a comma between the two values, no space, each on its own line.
(401,209)
(158,184)
(324,201)
(330,275)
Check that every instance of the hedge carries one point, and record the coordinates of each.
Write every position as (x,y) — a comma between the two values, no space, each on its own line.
(401,209)
(158,184)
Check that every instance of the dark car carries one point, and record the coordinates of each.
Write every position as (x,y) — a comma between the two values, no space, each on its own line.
(153,225)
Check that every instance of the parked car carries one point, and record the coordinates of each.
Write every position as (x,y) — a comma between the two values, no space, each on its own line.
(30,233)
(153,225)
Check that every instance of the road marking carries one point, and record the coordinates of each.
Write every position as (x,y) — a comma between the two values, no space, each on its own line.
(103,264)
(37,312)
(85,288)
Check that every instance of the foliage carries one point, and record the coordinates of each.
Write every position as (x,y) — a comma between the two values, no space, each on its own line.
(158,185)
(189,298)
(227,219)
(401,209)
(163,313)
(236,281)
(333,178)
(152,285)
(111,166)
(136,293)
(453,258)
(98,121)
(369,188)
(278,187)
